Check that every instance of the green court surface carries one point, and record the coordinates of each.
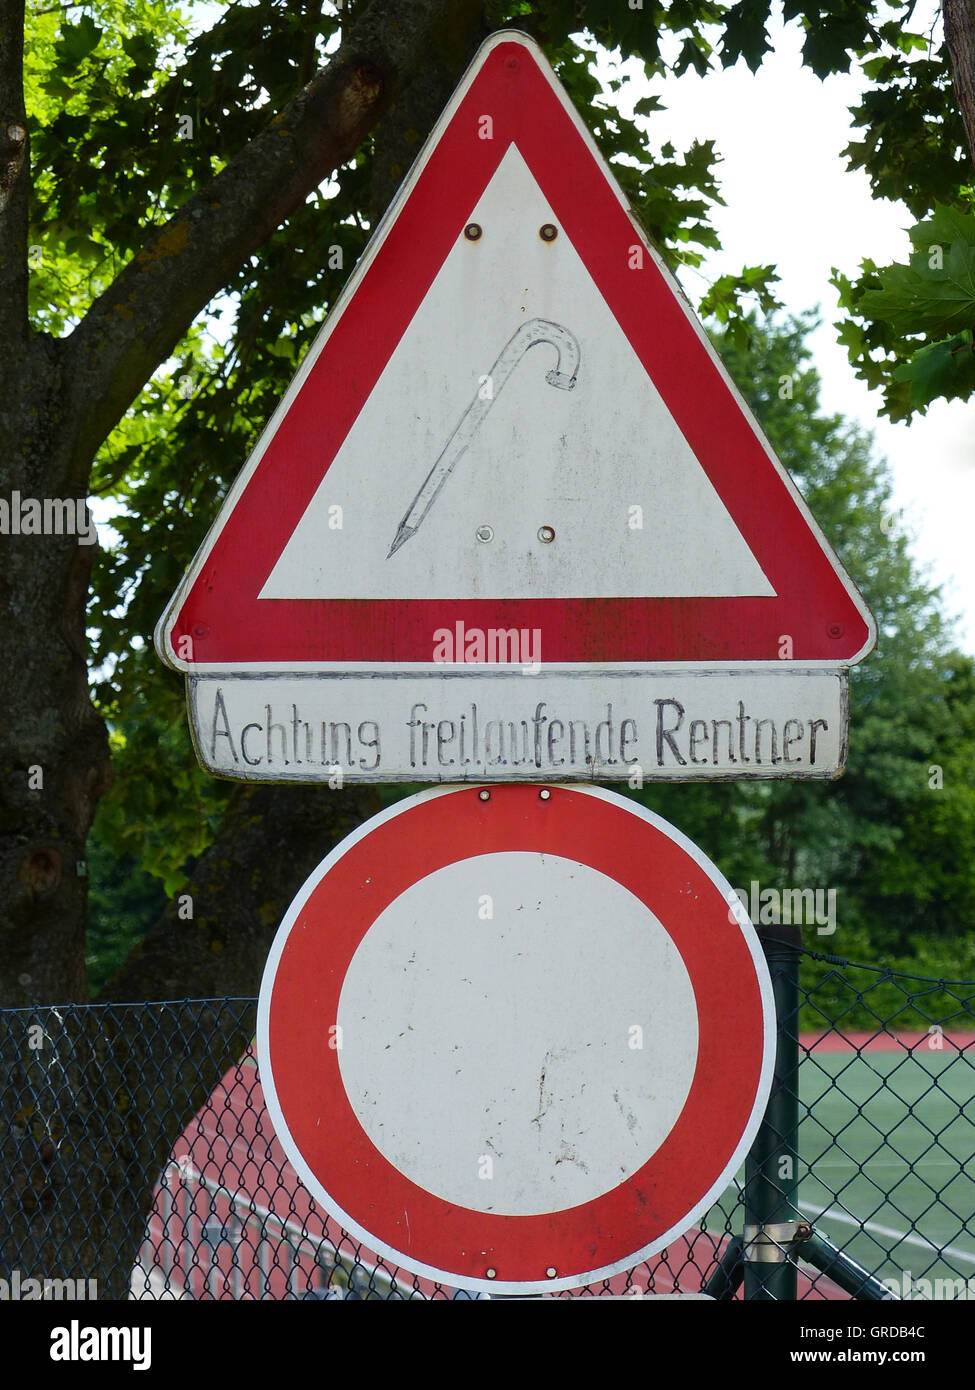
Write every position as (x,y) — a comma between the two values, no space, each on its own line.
(887,1164)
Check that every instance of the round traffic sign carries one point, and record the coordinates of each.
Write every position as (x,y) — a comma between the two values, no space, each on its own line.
(513,1038)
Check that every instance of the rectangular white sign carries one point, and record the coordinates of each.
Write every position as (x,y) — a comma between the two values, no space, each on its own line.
(507,725)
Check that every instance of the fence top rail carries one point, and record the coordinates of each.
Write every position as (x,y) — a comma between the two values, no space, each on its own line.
(246,1001)
(105,1006)
(886,971)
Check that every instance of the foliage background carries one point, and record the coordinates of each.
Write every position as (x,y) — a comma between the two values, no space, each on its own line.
(135,106)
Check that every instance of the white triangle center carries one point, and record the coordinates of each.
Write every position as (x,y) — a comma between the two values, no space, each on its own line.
(472,394)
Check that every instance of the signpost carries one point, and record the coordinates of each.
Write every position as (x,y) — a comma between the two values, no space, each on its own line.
(514,1038)
(512,525)
(512,519)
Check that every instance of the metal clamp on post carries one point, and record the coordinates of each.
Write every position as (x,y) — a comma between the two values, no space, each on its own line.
(771,1244)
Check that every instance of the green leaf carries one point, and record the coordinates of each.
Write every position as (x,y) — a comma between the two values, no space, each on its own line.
(935,292)
(939,369)
(745,35)
(141,49)
(723,300)
(78,40)
(692,55)
(946,224)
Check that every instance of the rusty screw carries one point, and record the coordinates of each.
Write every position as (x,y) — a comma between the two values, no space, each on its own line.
(546,534)
(548,231)
(473,231)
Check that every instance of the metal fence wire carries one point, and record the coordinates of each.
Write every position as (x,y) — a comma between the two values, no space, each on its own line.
(141,1161)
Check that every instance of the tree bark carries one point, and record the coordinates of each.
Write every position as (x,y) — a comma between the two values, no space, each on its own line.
(959,21)
(14,171)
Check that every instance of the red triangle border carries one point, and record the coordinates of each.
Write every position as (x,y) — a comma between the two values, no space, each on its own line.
(815,603)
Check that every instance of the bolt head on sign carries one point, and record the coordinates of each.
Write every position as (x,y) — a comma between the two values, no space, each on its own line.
(515,1038)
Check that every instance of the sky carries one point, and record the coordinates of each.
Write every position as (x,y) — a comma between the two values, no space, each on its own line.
(791,202)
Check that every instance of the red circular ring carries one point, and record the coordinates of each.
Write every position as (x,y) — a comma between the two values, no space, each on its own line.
(405,1220)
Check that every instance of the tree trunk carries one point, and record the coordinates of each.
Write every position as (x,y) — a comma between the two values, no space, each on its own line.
(959,20)
(53,749)
(53,746)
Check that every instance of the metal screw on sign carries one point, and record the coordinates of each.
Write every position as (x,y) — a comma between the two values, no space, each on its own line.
(548,232)
(473,231)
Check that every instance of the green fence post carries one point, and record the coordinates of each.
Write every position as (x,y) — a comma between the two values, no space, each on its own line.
(772,1165)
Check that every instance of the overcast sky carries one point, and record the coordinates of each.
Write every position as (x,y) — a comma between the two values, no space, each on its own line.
(791,202)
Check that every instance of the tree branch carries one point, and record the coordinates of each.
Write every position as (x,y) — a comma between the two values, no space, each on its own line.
(14,174)
(137,322)
(959,18)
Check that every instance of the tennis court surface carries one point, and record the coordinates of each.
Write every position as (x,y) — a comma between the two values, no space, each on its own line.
(887,1158)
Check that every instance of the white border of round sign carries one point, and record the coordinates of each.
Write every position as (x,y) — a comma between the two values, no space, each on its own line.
(410,1262)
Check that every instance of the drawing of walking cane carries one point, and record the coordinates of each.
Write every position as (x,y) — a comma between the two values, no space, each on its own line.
(562,375)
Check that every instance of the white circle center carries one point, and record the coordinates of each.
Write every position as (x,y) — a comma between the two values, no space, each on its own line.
(519,1033)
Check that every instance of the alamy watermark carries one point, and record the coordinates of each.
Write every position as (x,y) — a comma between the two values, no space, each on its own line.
(504,645)
(48,516)
(21,1288)
(906,1286)
(784,906)
(77,1343)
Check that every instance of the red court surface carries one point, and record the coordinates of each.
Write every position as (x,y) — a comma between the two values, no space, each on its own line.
(834,1041)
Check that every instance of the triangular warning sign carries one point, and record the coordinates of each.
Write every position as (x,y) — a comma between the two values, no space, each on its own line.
(512,420)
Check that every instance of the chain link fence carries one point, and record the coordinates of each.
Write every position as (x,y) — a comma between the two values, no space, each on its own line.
(141,1164)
